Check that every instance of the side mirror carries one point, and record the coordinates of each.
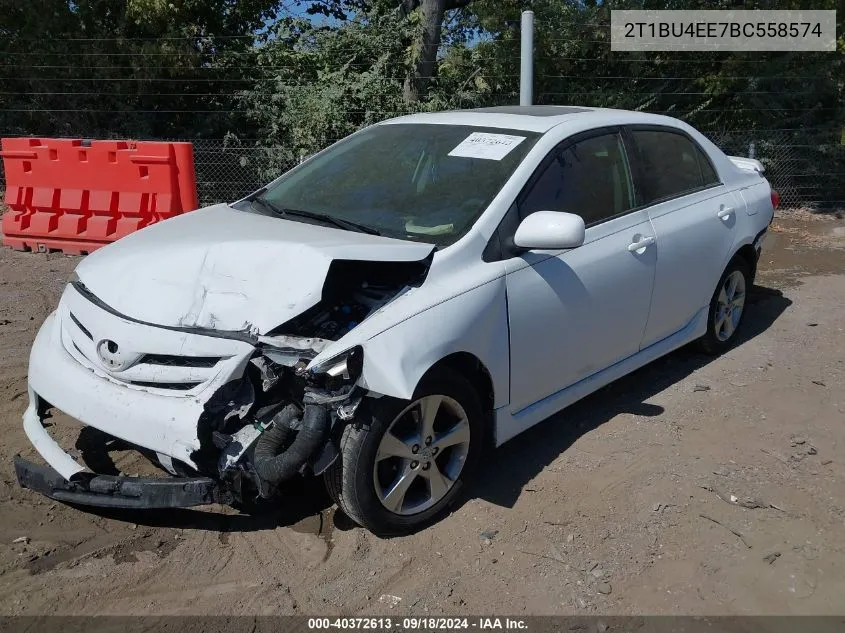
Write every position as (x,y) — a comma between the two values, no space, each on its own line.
(550,230)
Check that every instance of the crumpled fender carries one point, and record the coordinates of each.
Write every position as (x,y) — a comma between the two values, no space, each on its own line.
(408,336)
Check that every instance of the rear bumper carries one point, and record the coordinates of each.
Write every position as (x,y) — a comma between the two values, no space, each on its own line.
(119,492)
(759,243)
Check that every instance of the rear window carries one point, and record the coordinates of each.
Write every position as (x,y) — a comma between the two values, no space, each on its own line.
(671,164)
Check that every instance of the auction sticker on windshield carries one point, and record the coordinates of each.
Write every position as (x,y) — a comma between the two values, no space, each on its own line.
(487,146)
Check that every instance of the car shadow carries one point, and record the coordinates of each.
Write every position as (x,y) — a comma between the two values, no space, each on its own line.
(501,480)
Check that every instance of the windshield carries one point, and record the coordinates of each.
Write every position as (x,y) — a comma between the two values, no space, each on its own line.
(421,182)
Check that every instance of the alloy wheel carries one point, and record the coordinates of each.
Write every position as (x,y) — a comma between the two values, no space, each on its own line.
(729,305)
(421,454)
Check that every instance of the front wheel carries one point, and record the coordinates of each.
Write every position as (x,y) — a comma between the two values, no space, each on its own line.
(403,462)
(727,308)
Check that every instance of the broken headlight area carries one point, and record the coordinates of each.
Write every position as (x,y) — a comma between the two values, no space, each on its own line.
(280,419)
(335,373)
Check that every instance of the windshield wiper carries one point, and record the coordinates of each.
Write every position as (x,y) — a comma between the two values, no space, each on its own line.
(346,225)
(266,204)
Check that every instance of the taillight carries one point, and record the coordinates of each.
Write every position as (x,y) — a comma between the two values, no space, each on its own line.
(775,199)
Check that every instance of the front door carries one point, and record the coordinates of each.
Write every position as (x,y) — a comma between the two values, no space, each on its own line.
(576,312)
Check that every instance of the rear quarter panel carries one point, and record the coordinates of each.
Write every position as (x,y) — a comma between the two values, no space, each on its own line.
(755,197)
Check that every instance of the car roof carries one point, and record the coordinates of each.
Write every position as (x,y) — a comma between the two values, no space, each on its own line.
(536,118)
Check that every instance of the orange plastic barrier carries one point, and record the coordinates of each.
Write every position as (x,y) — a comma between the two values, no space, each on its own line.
(76,196)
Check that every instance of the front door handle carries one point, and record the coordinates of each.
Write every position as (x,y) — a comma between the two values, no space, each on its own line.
(641,244)
(725,213)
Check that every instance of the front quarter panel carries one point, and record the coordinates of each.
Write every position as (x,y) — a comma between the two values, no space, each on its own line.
(474,322)
(453,311)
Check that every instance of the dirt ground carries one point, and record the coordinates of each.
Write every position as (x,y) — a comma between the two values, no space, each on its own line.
(619,505)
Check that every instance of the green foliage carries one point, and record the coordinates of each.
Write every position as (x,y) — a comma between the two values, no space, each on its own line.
(327,83)
(710,90)
(138,68)
(297,81)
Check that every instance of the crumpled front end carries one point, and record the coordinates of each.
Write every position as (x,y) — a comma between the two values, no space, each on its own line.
(230,415)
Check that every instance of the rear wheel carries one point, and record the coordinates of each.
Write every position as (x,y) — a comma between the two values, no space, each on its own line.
(403,462)
(727,308)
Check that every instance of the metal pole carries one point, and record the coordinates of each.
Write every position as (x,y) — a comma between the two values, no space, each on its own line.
(526,70)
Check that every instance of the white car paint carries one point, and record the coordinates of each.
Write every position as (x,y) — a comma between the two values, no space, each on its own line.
(573,295)
(550,229)
(749,164)
(697,237)
(548,326)
(218,268)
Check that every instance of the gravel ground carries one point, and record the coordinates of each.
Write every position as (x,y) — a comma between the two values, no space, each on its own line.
(622,504)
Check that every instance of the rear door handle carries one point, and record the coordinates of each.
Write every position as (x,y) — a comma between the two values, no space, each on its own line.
(725,212)
(643,243)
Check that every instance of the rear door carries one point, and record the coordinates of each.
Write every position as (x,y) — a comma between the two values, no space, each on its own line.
(694,218)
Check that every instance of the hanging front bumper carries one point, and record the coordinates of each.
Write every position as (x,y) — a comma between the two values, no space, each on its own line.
(119,492)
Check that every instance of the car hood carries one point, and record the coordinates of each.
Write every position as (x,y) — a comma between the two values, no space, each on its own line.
(228,270)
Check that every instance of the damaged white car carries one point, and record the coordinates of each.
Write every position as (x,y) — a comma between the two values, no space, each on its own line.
(377,314)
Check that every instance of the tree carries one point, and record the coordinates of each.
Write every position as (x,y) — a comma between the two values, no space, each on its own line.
(327,82)
(136,68)
(426,43)
(426,17)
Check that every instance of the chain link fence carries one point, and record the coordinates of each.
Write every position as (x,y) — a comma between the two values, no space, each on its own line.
(228,170)
(807,167)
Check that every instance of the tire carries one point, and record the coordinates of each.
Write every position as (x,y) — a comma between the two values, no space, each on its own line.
(722,329)
(370,490)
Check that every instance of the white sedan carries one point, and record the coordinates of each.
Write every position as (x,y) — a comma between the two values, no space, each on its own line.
(377,314)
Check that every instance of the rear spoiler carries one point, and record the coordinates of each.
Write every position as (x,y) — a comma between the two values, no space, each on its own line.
(748,164)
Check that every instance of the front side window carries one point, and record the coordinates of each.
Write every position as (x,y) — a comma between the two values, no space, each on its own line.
(420,182)
(670,164)
(589,178)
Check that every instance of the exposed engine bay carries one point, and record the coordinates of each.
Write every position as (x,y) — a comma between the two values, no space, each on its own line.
(281,416)
(353,289)
(232,375)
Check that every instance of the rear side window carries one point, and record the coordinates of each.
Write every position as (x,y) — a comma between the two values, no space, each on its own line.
(589,178)
(708,174)
(670,165)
